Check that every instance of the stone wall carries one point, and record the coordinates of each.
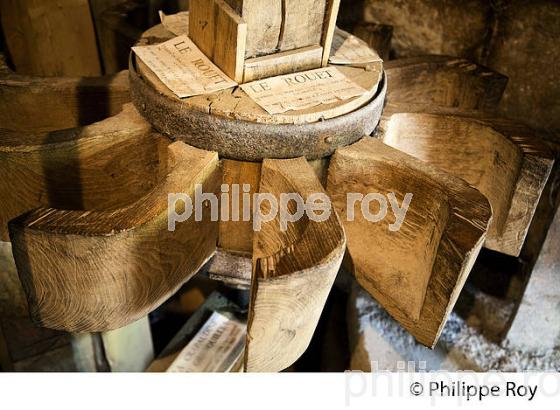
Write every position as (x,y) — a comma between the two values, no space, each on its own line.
(518,38)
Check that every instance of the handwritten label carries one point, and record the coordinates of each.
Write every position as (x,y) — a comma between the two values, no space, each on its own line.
(302,90)
(349,49)
(183,68)
(177,24)
(215,348)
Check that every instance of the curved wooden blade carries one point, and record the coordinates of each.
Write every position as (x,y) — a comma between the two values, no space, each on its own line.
(104,165)
(444,81)
(293,271)
(100,270)
(417,270)
(42,104)
(505,161)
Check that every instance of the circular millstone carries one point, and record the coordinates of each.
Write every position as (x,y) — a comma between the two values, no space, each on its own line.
(232,124)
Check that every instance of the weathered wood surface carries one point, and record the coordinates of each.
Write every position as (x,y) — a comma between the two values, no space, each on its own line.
(286,62)
(280,25)
(100,270)
(220,34)
(100,166)
(50,38)
(41,104)
(293,272)
(234,103)
(417,271)
(236,236)
(506,161)
(444,81)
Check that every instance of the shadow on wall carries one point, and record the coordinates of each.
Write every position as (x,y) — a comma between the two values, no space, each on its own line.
(518,38)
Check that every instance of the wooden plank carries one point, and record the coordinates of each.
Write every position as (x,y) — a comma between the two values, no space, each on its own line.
(264,23)
(286,62)
(302,24)
(69,101)
(328,29)
(127,259)
(507,162)
(416,270)
(101,166)
(50,38)
(220,34)
(444,81)
(293,271)
(237,235)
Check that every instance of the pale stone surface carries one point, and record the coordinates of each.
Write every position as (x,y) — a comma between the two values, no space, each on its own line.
(376,337)
(536,326)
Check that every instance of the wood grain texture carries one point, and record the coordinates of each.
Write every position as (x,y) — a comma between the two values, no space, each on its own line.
(416,272)
(264,23)
(286,62)
(293,272)
(69,101)
(100,166)
(507,162)
(220,34)
(90,271)
(50,38)
(230,123)
(444,81)
(236,236)
(328,29)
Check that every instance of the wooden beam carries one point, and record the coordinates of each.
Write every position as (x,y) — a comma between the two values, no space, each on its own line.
(220,34)
(42,104)
(286,62)
(444,81)
(91,271)
(50,38)
(416,270)
(328,29)
(104,165)
(293,272)
(506,161)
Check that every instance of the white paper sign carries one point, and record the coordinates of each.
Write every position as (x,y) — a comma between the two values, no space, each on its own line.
(349,49)
(183,68)
(302,90)
(215,348)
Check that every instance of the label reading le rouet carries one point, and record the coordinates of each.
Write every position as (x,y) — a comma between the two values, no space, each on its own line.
(302,90)
(183,68)
(215,348)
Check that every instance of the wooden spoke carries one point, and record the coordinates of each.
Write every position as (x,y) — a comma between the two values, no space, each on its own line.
(505,161)
(100,270)
(104,165)
(417,270)
(42,104)
(293,271)
(444,81)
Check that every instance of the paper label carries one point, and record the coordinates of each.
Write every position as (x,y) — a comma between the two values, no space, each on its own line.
(302,90)
(349,49)
(183,68)
(177,24)
(215,348)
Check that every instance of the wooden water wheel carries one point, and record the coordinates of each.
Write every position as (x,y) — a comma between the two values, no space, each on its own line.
(86,208)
